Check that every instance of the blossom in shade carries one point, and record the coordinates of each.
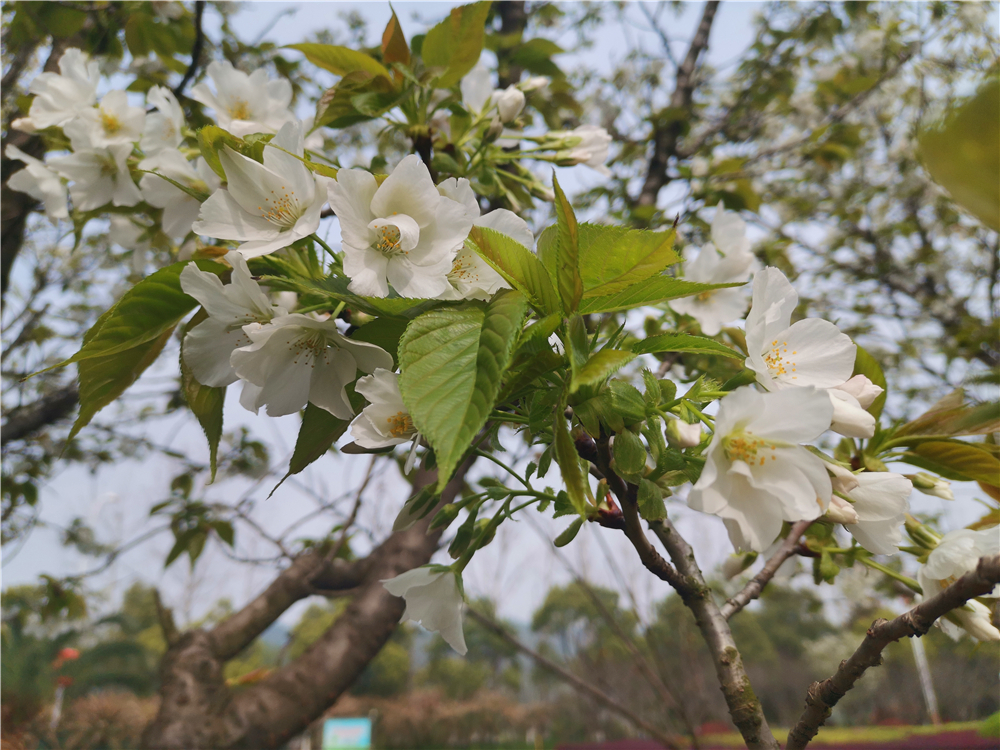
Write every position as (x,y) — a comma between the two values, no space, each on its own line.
(726,259)
(40,182)
(265,206)
(680,434)
(877,510)
(756,474)
(164,127)
(99,175)
(209,345)
(433,597)
(244,103)
(180,210)
(588,145)
(385,421)
(63,96)
(114,121)
(296,359)
(477,87)
(402,232)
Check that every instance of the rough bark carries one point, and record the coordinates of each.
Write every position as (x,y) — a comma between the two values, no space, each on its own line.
(823,696)
(197,709)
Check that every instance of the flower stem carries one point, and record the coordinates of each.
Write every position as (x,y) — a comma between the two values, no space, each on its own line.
(502,465)
(905,580)
(326,247)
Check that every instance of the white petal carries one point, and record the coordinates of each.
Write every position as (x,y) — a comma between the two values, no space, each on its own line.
(223,218)
(207,349)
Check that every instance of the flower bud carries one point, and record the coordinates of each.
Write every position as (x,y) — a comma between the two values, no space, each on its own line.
(931,485)
(842,479)
(974,617)
(849,418)
(737,563)
(495,130)
(533,83)
(863,389)
(509,103)
(680,434)
(921,534)
(841,511)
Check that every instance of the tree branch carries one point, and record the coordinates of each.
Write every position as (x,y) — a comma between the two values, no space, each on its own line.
(25,421)
(756,585)
(823,696)
(199,41)
(577,683)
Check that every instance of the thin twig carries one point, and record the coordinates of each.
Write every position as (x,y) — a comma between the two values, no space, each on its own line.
(823,696)
(199,41)
(753,589)
(581,685)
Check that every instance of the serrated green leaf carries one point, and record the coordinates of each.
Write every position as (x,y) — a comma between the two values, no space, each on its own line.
(535,338)
(599,367)
(154,305)
(335,288)
(649,292)
(955,460)
(540,364)
(650,497)
(614,258)
(317,434)
(455,44)
(865,364)
(630,455)
(103,379)
(340,60)
(518,266)
(205,402)
(569,464)
(569,534)
(567,252)
(683,342)
(453,361)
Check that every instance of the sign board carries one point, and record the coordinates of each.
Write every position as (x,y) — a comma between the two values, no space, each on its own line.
(353,733)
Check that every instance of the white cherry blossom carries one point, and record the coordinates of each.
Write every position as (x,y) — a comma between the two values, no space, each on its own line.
(164,127)
(433,597)
(726,259)
(114,121)
(932,485)
(402,232)
(680,434)
(210,344)
(244,103)
(509,103)
(296,359)
(40,182)
(265,206)
(876,516)
(99,175)
(756,474)
(180,210)
(385,421)
(477,88)
(587,144)
(63,96)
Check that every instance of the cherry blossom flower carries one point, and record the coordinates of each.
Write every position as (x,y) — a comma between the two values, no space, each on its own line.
(726,259)
(588,145)
(114,121)
(180,210)
(40,182)
(680,434)
(477,88)
(756,474)
(385,421)
(433,597)
(164,127)
(100,175)
(265,206)
(877,512)
(470,276)
(509,103)
(63,96)
(296,359)
(932,485)
(402,232)
(244,103)
(210,344)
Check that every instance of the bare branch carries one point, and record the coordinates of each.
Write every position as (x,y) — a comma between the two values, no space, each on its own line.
(24,421)
(752,590)
(823,696)
(199,42)
(579,684)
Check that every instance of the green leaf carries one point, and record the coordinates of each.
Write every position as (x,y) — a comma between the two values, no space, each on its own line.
(211,140)
(317,434)
(865,364)
(615,258)
(627,402)
(519,267)
(453,360)
(567,252)
(535,338)
(103,379)
(963,153)
(630,455)
(543,363)
(683,342)
(651,506)
(340,60)
(154,305)
(947,420)
(335,288)
(649,292)
(205,402)
(569,463)
(956,461)
(384,333)
(569,534)
(394,47)
(456,43)
(599,367)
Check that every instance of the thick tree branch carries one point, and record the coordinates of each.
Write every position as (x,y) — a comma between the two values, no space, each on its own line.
(513,21)
(744,708)
(756,585)
(823,696)
(667,131)
(579,684)
(24,421)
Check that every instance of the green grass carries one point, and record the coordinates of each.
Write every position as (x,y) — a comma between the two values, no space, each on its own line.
(837,735)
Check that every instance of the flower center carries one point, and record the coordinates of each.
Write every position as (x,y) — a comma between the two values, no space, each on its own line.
(463,269)
(389,240)
(400,424)
(705,296)
(778,361)
(240,110)
(748,448)
(280,208)
(109,167)
(312,345)
(110,123)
